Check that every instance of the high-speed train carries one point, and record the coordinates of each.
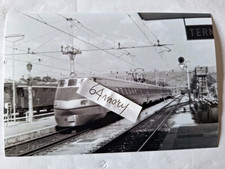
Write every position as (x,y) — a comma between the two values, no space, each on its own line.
(72,109)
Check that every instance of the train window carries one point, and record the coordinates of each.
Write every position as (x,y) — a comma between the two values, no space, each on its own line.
(117,89)
(135,91)
(138,91)
(61,83)
(121,90)
(72,82)
(132,91)
(129,91)
(125,91)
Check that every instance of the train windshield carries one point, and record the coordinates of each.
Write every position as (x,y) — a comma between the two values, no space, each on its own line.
(61,83)
(72,82)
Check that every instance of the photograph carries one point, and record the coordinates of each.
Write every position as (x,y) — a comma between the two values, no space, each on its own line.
(94,83)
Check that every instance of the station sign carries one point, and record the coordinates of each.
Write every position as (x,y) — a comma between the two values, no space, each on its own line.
(199,32)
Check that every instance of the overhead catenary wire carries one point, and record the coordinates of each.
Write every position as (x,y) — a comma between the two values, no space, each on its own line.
(157,39)
(95,37)
(19,60)
(99,37)
(94,32)
(140,29)
(48,40)
(90,50)
(41,70)
(15,48)
(79,39)
(38,37)
(43,54)
(148,40)
(88,29)
(149,29)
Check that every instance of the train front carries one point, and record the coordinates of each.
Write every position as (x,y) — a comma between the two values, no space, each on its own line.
(72,109)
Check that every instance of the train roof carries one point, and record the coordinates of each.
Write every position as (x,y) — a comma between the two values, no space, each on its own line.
(35,85)
(119,80)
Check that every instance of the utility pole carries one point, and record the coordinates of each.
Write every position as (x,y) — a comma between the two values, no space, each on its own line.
(15,38)
(70,50)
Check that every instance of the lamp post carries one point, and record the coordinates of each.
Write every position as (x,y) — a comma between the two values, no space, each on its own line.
(29,88)
(30,95)
(15,38)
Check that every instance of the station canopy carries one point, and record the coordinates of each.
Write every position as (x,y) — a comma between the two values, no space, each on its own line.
(159,16)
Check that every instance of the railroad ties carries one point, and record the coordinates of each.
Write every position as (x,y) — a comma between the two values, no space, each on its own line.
(37,145)
(145,135)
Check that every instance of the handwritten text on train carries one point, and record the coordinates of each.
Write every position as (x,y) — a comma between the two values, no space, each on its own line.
(109,99)
(101,95)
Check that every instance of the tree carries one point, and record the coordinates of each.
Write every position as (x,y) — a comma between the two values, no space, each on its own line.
(46,79)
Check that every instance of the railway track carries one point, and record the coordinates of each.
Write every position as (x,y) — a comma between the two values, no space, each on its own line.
(34,146)
(145,135)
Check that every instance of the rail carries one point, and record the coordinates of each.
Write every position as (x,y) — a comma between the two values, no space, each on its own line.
(42,143)
(135,138)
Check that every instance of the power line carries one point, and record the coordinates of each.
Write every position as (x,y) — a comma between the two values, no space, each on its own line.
(43,54)
(90,50)
(78,39)
(121,48)
(97,38)
(68,61)
(48,40)
(149,29)
(148,39)
(39,36)
(85,27)
(94,32)
(140,29)
(90,32)
(57,73)
(15,49)
(19,60)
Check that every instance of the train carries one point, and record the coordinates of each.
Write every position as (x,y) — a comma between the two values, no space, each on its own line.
(72,109)
(43,97)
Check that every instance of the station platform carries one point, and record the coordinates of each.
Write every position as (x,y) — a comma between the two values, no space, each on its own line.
(186,133)
(17,132)
(197,136)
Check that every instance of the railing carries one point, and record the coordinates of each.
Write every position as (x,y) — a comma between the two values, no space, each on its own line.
(8,117)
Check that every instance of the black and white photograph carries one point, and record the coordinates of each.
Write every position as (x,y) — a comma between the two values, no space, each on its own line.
(94,83)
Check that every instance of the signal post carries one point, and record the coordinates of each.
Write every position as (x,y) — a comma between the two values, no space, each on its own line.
(182,65)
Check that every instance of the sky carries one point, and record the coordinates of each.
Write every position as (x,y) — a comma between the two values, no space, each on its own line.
(102,31)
